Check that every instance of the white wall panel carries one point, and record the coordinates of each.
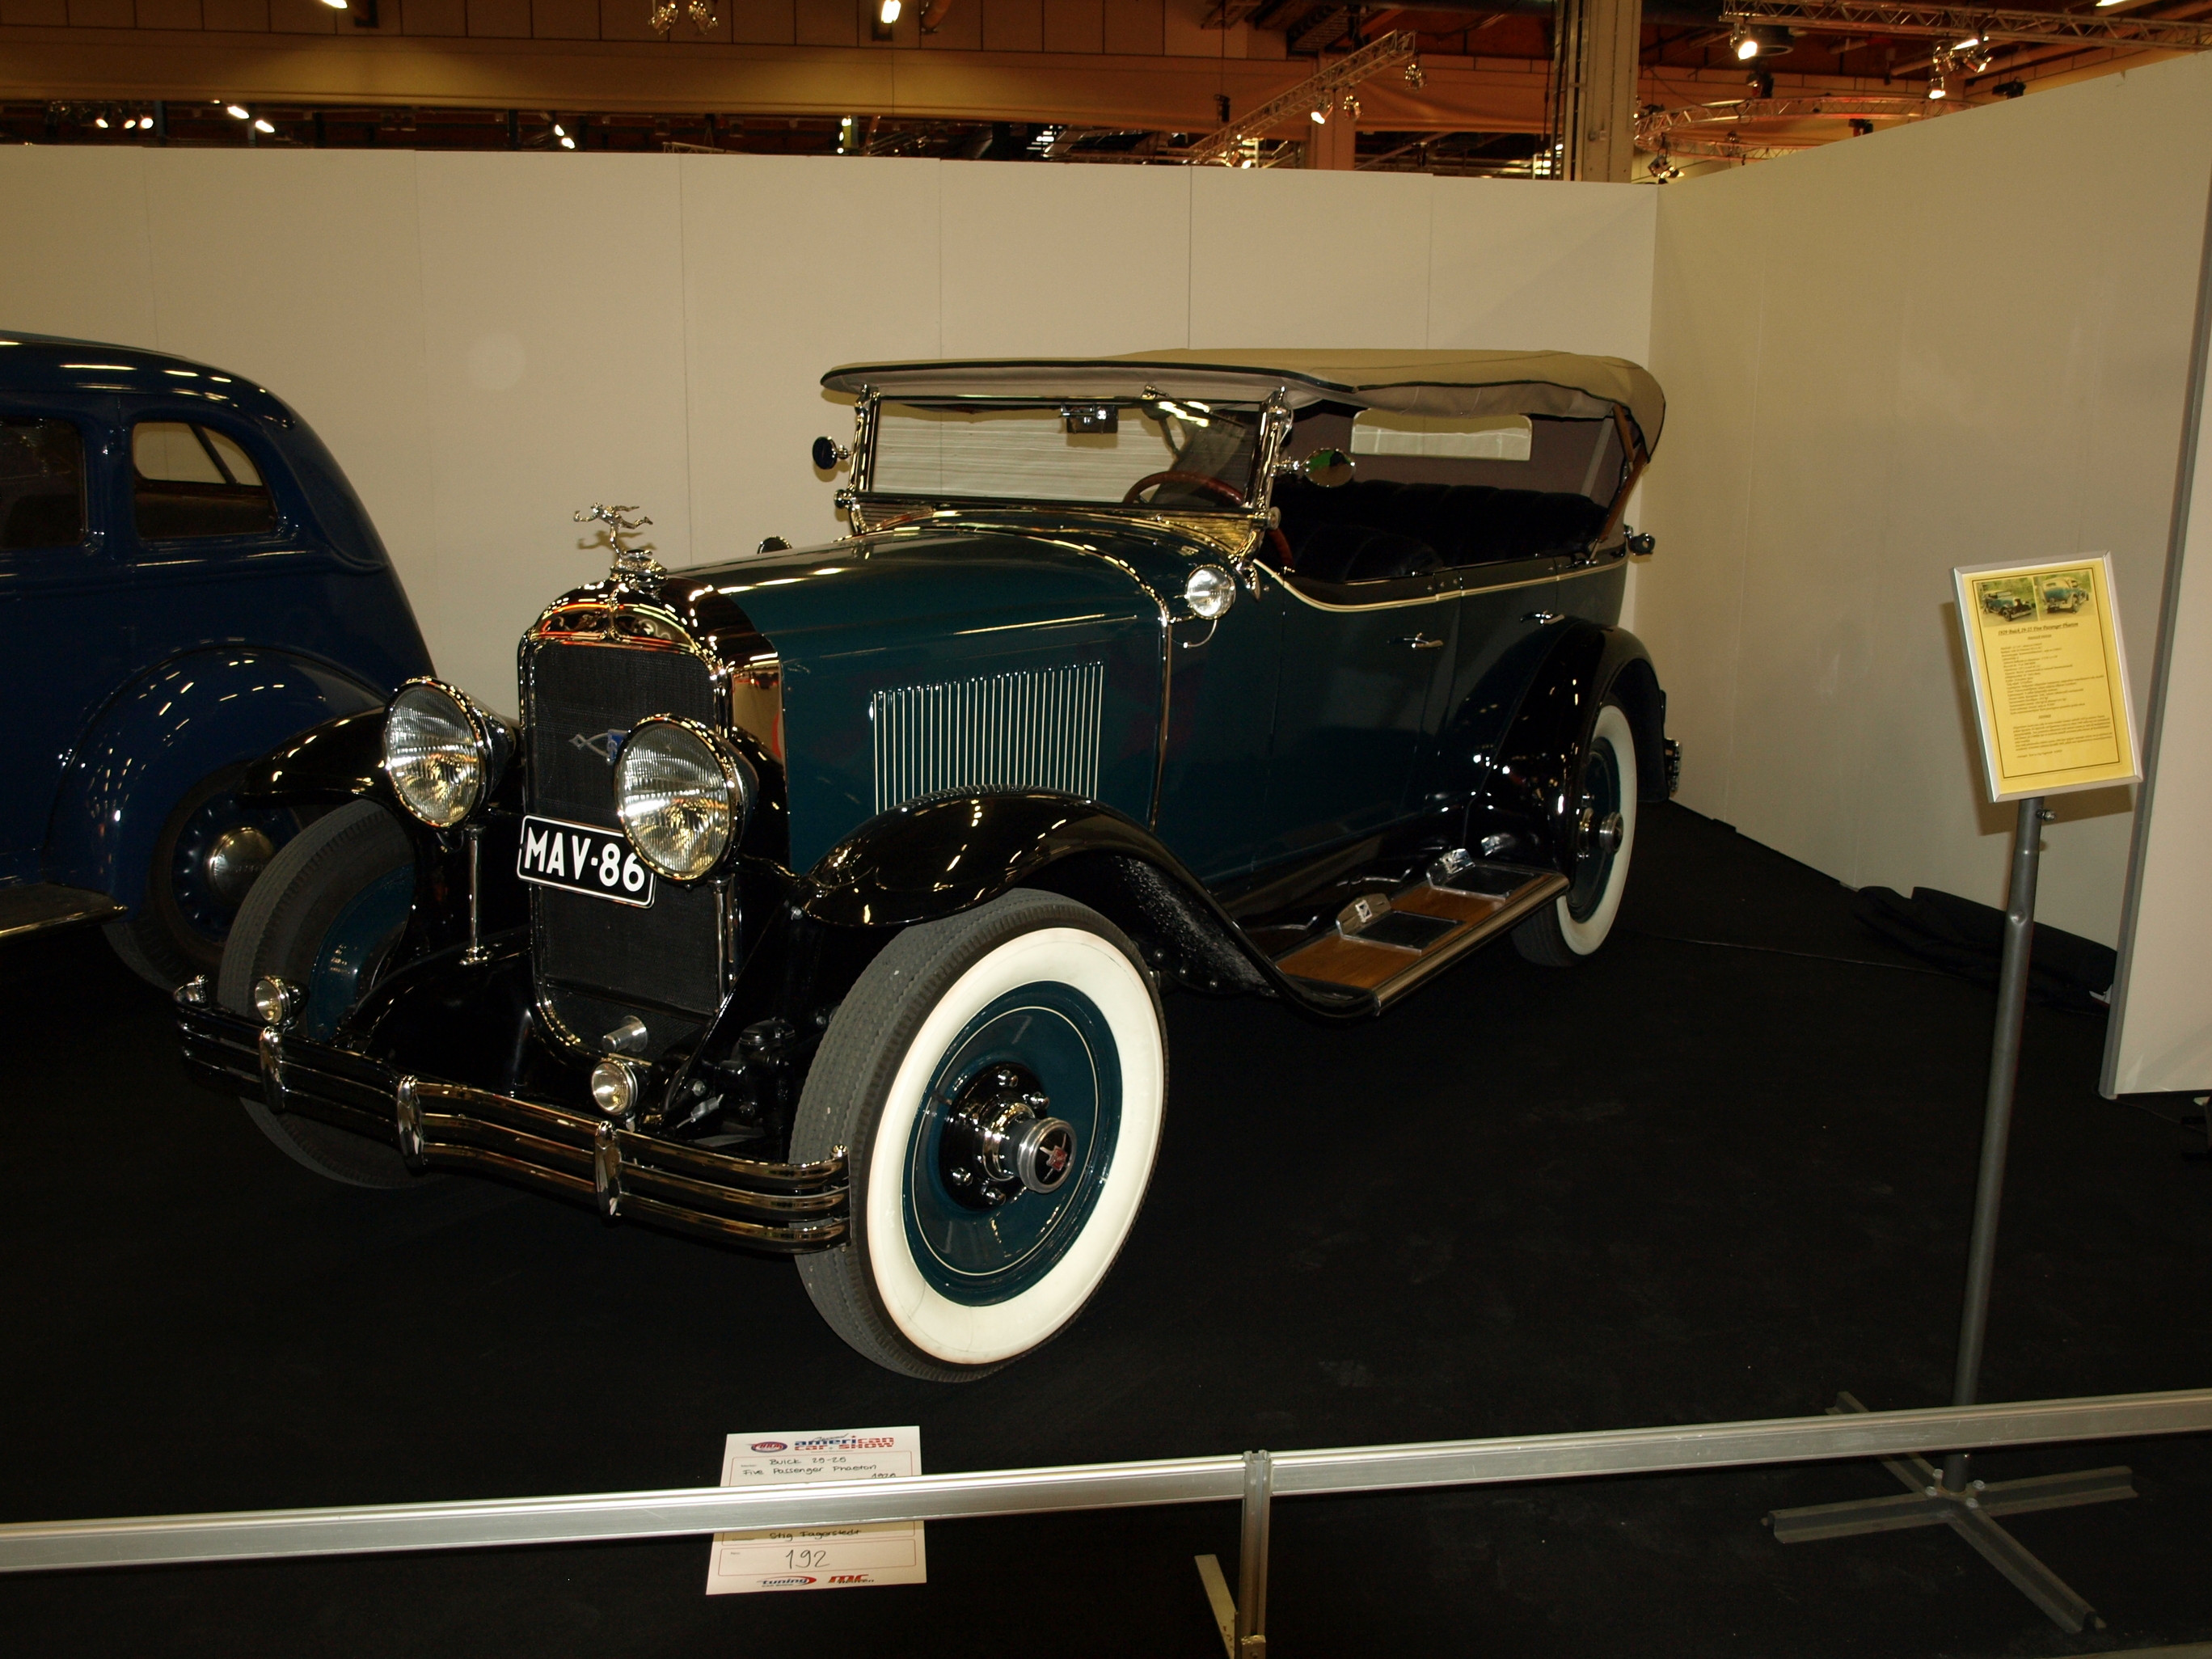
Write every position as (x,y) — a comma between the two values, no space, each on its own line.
(1518,265)
(554,328)
(1293,258)
(75,260)
(790,267)
(311,283)
(1032,266)
(1885,358)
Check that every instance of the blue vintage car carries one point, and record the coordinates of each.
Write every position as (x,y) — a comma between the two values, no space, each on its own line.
(186,579)
(822,900)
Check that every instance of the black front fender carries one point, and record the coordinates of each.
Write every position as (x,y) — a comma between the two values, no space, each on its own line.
(326,765)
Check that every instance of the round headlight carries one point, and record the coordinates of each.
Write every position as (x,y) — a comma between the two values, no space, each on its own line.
(681,795)
(438,752)
(1209,591)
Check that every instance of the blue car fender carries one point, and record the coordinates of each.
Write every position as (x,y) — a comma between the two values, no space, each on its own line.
(162,733)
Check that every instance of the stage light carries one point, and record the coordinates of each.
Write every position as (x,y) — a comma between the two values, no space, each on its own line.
(1416,77)
(100,121)
(887,12)
(336,5)
(1938,85)
(1320,118)
(567,143)
(263,126)
(560,132)
(1744,44)
(237,112)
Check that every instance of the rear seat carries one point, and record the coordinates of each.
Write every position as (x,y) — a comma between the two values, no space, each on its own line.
(1374,530)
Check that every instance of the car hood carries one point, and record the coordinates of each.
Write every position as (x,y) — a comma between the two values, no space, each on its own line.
(959,653)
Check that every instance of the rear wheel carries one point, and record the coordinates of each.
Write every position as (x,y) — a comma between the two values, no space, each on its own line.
(323,917)
(995,1080)
(206,860)
(1604,838)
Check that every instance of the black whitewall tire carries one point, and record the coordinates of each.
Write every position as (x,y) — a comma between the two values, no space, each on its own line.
(1034,1012)
(1580,920)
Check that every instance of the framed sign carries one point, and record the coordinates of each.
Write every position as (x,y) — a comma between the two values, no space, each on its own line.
(2050,677)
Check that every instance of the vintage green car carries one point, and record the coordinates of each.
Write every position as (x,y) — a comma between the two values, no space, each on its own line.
(821,901)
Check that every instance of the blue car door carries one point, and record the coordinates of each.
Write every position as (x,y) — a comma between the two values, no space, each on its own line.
(67,645)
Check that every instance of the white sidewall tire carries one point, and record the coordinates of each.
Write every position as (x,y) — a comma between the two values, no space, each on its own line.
(1584,937)
(956,1333)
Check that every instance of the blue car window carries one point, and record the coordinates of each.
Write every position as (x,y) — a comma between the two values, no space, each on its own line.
(41,484)
(189,481)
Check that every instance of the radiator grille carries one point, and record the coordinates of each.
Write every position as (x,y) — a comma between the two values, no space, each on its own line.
(1035,729)
(666,955)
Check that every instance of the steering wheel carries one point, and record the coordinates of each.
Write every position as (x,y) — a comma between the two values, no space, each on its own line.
(1228,492)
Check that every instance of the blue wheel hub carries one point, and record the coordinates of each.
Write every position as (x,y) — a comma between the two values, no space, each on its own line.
(1017,1130)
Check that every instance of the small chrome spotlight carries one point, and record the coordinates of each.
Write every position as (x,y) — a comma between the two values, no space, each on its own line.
(276,1002)
(616,1087)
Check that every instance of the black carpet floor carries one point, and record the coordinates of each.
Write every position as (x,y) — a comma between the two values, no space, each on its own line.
(1720,1171)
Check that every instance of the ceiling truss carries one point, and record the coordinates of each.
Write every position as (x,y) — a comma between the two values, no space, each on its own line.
(1892,17)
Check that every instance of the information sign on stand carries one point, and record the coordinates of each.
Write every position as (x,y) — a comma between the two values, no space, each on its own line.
(2051,696)
(2050,676)
(818,1557)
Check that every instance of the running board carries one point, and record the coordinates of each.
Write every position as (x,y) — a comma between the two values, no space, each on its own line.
(1386,944)
(41,905)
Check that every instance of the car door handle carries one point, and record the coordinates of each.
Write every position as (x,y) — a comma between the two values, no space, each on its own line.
(1419,642)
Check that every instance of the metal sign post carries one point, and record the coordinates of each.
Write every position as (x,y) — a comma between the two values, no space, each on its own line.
(1968,1506)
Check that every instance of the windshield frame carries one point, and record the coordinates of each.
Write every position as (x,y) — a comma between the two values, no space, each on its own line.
(1269,419)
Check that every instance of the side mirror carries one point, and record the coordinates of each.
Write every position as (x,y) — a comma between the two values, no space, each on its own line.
(1327,469)
(827,455)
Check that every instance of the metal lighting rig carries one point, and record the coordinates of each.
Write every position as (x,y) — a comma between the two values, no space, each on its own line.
(1900,17)
(1317,93)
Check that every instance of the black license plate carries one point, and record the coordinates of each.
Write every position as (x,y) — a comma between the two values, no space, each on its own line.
(581,857)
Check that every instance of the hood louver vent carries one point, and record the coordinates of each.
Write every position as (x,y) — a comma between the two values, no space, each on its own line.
(1033,729)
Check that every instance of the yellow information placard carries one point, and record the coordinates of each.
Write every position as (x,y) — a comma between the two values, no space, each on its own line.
(2050,677)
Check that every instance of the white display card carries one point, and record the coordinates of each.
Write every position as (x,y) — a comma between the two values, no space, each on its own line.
(817,1557)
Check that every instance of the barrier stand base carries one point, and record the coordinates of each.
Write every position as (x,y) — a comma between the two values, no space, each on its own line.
(1243,1617)
(1971,1511)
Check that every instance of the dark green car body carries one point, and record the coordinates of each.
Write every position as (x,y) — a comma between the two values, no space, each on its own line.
(968,695)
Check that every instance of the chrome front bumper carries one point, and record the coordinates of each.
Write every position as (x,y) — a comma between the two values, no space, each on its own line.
(788,1208)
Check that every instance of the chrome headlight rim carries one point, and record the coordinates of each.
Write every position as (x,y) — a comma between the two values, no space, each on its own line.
(489,740)
(738,784)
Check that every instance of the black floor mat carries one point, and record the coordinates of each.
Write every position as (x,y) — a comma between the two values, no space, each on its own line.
(1720,1171)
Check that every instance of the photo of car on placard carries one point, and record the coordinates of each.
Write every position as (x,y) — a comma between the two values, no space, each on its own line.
(821,901)
(186,579)
(2008,598)
(2064,595)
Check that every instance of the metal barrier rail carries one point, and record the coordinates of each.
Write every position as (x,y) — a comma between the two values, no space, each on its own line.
(34,1547)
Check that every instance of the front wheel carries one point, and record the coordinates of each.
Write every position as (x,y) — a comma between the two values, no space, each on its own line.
(995,1080)
(1604,838)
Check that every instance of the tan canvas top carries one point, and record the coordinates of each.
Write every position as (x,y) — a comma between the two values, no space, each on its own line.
(1431,383)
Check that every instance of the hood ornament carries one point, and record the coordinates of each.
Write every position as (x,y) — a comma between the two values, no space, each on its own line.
(629,561)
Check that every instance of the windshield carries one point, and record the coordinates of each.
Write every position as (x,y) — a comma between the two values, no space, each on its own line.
(1160,451)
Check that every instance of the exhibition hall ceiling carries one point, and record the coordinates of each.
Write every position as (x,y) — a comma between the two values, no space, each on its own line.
(1122,81)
